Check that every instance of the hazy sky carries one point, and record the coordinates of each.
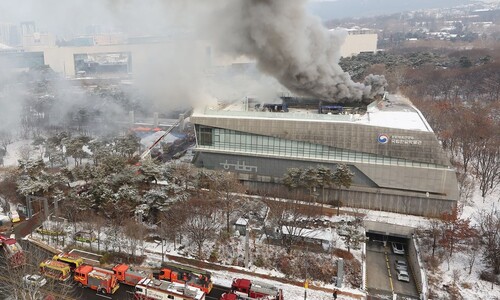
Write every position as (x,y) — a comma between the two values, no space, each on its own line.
(68,17)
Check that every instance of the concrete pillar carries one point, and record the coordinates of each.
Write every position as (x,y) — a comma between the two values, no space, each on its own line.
(155,120)
(181,122)
(131,117)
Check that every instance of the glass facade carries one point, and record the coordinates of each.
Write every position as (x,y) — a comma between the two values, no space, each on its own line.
(220,139)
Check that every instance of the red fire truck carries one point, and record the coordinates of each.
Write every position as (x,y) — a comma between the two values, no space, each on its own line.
(154,289)
(13,251)
(101,280)
(187,275)
(247,289)
(125,275)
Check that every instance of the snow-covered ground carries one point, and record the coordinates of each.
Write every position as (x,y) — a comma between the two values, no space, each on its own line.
(470,286)
(15,152)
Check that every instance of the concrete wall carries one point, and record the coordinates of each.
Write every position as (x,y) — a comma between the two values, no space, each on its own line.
(417,267)
(264,174)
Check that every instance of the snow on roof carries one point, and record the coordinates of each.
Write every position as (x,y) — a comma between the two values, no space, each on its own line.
(77,183)
(148,140)
(324,234)
(394,112)
(242,221)
(5,47)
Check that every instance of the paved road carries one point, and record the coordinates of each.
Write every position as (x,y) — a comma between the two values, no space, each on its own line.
(381,277)
(123,293)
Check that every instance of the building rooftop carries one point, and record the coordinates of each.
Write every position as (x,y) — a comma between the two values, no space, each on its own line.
(394,111)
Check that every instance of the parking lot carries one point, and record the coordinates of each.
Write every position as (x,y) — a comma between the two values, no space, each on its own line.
(381,276)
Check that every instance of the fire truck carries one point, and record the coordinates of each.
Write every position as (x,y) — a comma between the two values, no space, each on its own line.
(154,289)
(233,296)
(55,269)
(125,275)
(247,289)
(187,275)
(74,261)
(13,251)
(101,280)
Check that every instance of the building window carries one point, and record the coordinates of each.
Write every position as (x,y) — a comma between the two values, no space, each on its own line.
(206,136)
(224,139)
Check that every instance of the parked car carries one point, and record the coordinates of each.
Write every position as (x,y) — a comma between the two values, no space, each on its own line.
(34,280)
(400,265)
(403,275)
(398,248)
(14,216)
(85,236)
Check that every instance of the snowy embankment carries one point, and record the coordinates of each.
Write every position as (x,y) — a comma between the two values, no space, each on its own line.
(457,271)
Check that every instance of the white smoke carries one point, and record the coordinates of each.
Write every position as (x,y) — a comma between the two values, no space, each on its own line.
(289,44)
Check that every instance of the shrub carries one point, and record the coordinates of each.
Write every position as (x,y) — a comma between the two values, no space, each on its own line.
(343,254)
(105,258)
(466,285)
(214,256)
(352,270)
(49,232)
(489,276)
(259,261)
(285,265)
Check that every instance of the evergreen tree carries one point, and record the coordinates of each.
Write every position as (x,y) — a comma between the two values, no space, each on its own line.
(342,177)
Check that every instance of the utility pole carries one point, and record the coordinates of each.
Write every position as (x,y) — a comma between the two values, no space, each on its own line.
(247,247)
(306,283)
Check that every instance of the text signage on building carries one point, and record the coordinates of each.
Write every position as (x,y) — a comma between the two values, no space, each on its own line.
(398,139)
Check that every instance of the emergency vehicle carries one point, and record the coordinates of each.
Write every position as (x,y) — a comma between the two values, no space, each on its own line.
(125,275)
(74,261)
(101,280)
(185,274)
(13,251)
(154,289)
(55,269)
(254,290)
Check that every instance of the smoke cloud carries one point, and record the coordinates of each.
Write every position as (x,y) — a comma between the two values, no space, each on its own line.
(290,45)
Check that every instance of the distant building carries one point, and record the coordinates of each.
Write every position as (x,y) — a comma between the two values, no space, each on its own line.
(359,40)
(86,57)
(9,35)
(399,164)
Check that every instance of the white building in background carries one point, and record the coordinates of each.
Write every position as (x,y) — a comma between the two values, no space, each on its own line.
(9,34)
(108,60)
(359,40)
(92,54)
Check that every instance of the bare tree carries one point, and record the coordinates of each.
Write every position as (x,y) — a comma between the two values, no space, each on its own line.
(15,287)
(172,224)
(97,225)
(5,139)
(456,232)
(25,152)
(226,189)
(291,216)
(487,164)
(135,233)
(472,250)
(202,223)
(184,175)
(490,234)
(434,231)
